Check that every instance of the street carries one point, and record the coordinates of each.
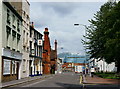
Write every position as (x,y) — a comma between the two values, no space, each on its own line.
(68,79)
(64,80)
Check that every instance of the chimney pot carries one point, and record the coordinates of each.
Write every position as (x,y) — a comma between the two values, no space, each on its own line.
(33,24)
(46,29)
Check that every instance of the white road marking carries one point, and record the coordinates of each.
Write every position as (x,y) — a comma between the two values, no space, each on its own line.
(36,82)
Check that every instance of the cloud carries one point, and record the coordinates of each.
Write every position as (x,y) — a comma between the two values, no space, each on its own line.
(60,19)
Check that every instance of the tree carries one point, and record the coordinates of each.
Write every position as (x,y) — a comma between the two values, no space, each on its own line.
(103,34)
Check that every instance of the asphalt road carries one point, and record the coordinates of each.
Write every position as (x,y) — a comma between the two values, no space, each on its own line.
(66,80)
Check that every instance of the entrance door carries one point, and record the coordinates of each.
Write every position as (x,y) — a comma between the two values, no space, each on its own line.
(17,70)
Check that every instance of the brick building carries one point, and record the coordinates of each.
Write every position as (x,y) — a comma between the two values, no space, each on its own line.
(49,55)
(53,58)
(46,53)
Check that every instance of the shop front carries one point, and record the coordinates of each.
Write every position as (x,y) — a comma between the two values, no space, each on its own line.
(35,67)
(10,65)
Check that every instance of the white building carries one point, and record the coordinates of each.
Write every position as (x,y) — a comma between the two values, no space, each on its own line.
(36,49)
(59,65)
(101,65)
(23,8)
(10,42)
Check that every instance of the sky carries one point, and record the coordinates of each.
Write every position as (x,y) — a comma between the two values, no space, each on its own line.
(59,18)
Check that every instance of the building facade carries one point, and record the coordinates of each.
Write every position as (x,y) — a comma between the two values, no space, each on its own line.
(53,59)
(101,66)
(23,8)
(35,67)
(59,65)
(11,42)
(46,53)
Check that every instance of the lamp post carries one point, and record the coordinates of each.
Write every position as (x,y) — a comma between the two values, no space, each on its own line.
(85,41)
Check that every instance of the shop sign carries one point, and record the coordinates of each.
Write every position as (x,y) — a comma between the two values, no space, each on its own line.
(6,69)
(39,42)
(11,54)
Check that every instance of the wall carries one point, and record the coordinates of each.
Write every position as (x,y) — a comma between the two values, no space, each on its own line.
(0,39)
(105,67)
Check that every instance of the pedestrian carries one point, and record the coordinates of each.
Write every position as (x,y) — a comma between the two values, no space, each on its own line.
(92,70)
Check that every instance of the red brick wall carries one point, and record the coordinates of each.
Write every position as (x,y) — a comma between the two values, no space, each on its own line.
(46,53)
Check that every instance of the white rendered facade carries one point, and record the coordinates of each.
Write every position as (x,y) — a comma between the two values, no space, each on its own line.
(10,42)
(101,65)
(23,8)
(25,35)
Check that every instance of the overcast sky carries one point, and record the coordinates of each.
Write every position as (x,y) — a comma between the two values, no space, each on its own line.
(60,17)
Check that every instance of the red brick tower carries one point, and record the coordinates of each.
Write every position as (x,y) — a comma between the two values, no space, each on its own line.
(46,53)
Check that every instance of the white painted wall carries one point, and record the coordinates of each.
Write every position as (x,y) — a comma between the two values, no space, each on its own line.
(0,39)
(103,66)
(25,27)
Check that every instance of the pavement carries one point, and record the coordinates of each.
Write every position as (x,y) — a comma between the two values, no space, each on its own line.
(24,80)
(98,80)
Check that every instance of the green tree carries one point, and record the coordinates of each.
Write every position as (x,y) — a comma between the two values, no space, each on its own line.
(103,34)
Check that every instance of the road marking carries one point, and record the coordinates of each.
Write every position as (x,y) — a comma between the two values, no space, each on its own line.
(81,79)
(34,83)
(37,82)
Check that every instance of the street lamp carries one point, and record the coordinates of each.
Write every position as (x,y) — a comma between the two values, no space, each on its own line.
(85,41)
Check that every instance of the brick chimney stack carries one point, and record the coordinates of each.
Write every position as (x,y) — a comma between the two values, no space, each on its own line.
(46,53)
(33,24)
(55,45)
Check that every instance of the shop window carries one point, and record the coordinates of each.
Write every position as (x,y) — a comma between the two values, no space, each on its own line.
(14,67)
(8,16)
(6,68)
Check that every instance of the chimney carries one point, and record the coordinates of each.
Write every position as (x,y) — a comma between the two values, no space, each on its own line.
(33,24)
(56,45)
(46,29)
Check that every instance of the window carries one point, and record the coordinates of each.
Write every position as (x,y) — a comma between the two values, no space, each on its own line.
(27,17)
(13,67)
(18,38)
(13,18)
(8,30)
(6,67)
(27,38)
(8,16)
(27,49)
(13,34)
(13,21)
(24,36)
(30,33)
(18,25)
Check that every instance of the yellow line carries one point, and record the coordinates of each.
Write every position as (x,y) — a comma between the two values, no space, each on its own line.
(80,79)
